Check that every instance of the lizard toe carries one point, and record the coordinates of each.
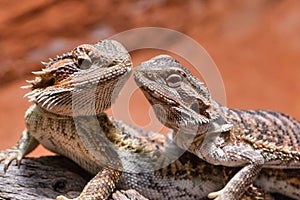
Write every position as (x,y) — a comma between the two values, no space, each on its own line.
(9,155)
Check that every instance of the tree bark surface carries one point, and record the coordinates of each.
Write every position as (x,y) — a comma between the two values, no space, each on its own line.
(48,177)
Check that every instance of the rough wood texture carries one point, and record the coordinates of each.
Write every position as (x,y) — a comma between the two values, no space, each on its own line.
(48,177)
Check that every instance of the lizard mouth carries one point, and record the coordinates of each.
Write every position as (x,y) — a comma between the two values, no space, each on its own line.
(112,72)
(157,95)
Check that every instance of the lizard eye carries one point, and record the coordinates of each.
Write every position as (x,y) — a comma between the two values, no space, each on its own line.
(84,63)
(174,80)
(82,56)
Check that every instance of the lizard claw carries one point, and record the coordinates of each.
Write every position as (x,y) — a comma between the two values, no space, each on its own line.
(215,195)
(10,155)
(61,197)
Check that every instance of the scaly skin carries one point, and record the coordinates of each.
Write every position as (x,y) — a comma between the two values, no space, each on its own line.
(215,133)
(67,117)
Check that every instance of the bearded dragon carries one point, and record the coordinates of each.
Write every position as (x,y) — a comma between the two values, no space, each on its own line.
(251,139)
(100,69)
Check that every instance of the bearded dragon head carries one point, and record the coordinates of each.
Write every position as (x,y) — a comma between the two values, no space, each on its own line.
(180,101)
(84,81)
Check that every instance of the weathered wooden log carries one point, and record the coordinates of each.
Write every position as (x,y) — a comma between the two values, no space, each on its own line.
(48,177)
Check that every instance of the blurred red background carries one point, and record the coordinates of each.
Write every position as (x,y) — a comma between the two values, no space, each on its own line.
(255,44)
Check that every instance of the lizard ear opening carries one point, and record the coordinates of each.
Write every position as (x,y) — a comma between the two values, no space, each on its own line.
(42,82)
(51,82)
(195,107)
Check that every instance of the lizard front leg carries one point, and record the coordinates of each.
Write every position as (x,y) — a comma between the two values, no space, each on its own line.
(25,145)
(215,152)
(100,187)
(237,186)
